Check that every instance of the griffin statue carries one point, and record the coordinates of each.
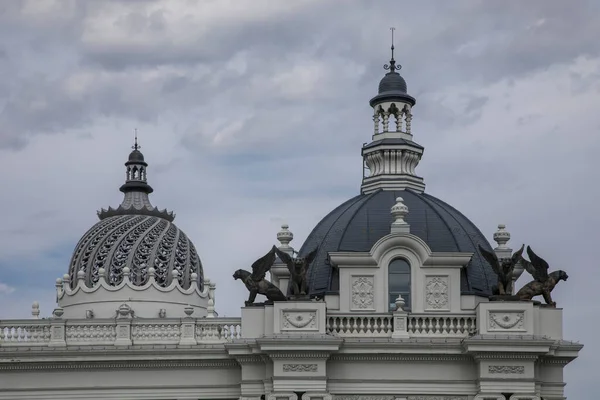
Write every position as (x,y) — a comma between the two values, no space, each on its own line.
(255,281)
(298,268)
(503,268)
(544,282)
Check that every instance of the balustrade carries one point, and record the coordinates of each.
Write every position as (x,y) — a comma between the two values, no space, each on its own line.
(104,332)
(345,325)
(381,325)
(27,331)
(218,330)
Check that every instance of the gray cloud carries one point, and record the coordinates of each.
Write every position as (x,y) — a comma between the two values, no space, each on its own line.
(254,117)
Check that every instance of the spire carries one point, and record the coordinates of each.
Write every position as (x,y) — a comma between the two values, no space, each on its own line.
(392,156)
(136,146)
(392,67)
(136,189)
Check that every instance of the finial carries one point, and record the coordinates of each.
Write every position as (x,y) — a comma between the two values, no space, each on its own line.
(502,236)
(399,211)
(135,145)
(392,65)
(284,236)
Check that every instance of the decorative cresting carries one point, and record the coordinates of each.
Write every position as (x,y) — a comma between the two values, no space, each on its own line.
(128,299)
(392,157)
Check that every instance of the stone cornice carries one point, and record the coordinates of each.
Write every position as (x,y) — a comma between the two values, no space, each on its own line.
(300,355)
(250,359)
(414,346)
(114,364)
(401,357)
(556,360)
(105,353)
(504,355)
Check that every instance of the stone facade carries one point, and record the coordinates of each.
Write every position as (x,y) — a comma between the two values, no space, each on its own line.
(344,347)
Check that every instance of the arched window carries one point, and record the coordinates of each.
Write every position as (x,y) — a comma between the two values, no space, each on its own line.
(399,283)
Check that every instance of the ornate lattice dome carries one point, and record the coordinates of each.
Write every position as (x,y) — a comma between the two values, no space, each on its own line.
(139,242)
(137,236)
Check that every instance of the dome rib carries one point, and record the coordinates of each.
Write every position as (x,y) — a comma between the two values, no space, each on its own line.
(137,273)
(341,209)
(151,262)
(173,255)
(488,277)
(364,201)
(114,260)
(442,219)
(95,246)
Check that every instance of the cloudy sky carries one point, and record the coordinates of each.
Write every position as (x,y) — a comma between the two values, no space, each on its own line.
(252,113)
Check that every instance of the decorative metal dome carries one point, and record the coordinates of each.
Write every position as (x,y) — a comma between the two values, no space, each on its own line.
(392,82)
(136,235)
(139,242)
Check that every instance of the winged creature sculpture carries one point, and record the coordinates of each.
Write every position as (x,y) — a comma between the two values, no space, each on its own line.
(544,282)
(298,268)
(255,281)
(503,268)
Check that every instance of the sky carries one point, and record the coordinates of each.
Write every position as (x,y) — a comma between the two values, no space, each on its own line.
(252,113)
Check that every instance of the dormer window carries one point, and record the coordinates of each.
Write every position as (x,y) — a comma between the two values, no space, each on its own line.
(399,283)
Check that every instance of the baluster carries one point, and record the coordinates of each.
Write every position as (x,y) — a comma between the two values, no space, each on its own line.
(376,121)
(386,121)
(34,333)
(429,325)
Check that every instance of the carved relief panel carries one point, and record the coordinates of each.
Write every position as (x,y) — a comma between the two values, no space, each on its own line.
(363,293)
(437,293)
(299,320)
(499,321)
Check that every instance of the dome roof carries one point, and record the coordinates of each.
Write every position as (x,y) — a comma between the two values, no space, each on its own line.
(392,82)
(136,156)
(360,222)
(139,242)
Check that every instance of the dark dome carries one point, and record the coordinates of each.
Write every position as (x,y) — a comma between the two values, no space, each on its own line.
(139,242)
(360,222)
(136,156)
(392,82)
